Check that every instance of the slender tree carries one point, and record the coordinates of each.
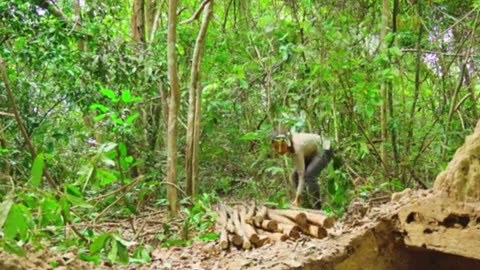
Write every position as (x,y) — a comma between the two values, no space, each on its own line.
(173,108)
(384,84)
(194,107)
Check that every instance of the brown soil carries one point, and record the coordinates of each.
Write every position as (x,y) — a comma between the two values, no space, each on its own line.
(43,260)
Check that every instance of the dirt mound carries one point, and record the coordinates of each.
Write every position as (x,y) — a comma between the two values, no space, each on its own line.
(461,179)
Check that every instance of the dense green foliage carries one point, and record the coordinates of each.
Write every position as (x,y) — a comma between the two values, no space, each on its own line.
(90,99)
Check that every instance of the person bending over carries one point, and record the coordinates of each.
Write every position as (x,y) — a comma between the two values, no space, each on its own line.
(310,154)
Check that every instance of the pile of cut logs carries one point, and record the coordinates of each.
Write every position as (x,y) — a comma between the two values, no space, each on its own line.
(250,226)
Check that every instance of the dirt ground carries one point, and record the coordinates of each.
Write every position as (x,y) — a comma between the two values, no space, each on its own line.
(364,239)
(436,229)
(284,255)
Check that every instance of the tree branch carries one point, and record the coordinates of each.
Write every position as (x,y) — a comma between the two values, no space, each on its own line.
(197,13)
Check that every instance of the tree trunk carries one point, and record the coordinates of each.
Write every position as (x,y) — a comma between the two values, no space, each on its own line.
(6,168)
(138,20)
(384,85)
(173,108)
(153,22)
(194,107)
(393,129)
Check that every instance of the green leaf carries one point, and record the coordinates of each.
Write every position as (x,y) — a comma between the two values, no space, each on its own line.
(122,148)
(99,106)
(99,243)
(122,241)
(250,136)
(331,186)
(12,247)
(37,170)
(131,118)
(108,93)
(99,117)
(77,201)
(106,147)
(395,51)
(15,224)
(27,216)
(135,99)
(88,171)
(208,236)
(73,190)
(116,119)
(129,159)
(122,253)
(112,254)
(140,255)
(126,96)
(65,208)
(105,177)
(89,258)
(5,209)
(243,84)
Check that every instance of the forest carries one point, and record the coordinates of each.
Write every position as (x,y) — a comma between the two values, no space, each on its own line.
(128,127)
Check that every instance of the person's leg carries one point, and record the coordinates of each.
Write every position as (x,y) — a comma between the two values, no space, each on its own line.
(293,182)
(313,170)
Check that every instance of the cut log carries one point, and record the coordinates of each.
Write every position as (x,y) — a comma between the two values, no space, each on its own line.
(274,236)
(257,221)
(230,226)
(262,212)
(263,239)
(280,218)
(223,241)
(320,219)
(223,219)
(246,244)
(315,231)
(293,231)
(296,215)
(247,228)
(269,225)
(222,215)
(250,213)
(260,216)
(235,239)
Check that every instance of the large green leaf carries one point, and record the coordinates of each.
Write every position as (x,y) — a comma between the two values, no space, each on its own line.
(99,243)
(37,170)
(15,224)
